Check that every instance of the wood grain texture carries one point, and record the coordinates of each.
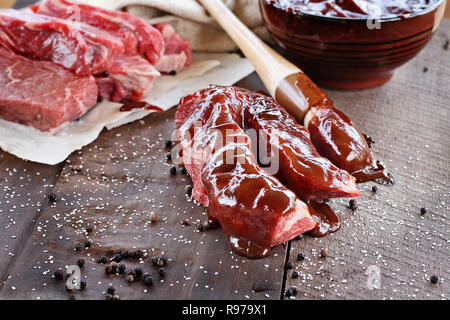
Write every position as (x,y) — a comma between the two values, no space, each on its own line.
(409,120)
(116,182)
(23,197)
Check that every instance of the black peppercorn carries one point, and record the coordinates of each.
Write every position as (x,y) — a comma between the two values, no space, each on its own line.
(99,99)
(148,281)
(121,268)
(300,256)
(138,272)
(353,205)
(138,254)
(109,270)
(434,279)
(87,243)
(184,170)
(59,274)
(124,254)
(288,293)
(295,274)
(105,74)
(188,190)
(294,291)
(111,290)
(423,211)
(173,171)
(52,197)
(102,259)
(374,189)
(169,157)
(168,144)
(89,229)
(162,272)
(117,257)
(81,263)
(289,265)
(173,73)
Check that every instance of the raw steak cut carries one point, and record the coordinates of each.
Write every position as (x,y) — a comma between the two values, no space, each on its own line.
(253,208)
(130,77)
(177,51)
(42,94)
(137,36)
(75,46)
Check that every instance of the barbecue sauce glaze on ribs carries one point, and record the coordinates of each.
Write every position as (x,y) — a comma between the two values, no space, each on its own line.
(255,209)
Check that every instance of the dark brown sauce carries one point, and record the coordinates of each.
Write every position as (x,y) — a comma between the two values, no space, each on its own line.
(185,223)
(212,224)
(248,249)
(130,106)
(369,140)
(352,9)
(327,221)
(376,173)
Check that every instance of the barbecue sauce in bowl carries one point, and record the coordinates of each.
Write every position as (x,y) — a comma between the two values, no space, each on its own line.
(359,9)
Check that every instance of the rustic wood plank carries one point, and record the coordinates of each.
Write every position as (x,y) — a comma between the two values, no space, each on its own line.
(409,120)
(24,187)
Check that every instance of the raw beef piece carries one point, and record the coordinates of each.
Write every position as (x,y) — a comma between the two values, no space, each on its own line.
(177,51)
(130,77)
(253,207)
(301,168)
(75,46)
(137,36)
(42,94)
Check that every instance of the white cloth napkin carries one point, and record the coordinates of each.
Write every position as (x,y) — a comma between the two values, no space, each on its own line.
(191,20)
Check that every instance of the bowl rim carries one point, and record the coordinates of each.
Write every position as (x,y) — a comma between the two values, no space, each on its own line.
(390,19)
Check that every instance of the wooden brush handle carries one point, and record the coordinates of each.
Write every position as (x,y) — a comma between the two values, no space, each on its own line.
(284,81)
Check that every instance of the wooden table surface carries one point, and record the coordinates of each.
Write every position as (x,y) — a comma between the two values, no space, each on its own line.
(115,184)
